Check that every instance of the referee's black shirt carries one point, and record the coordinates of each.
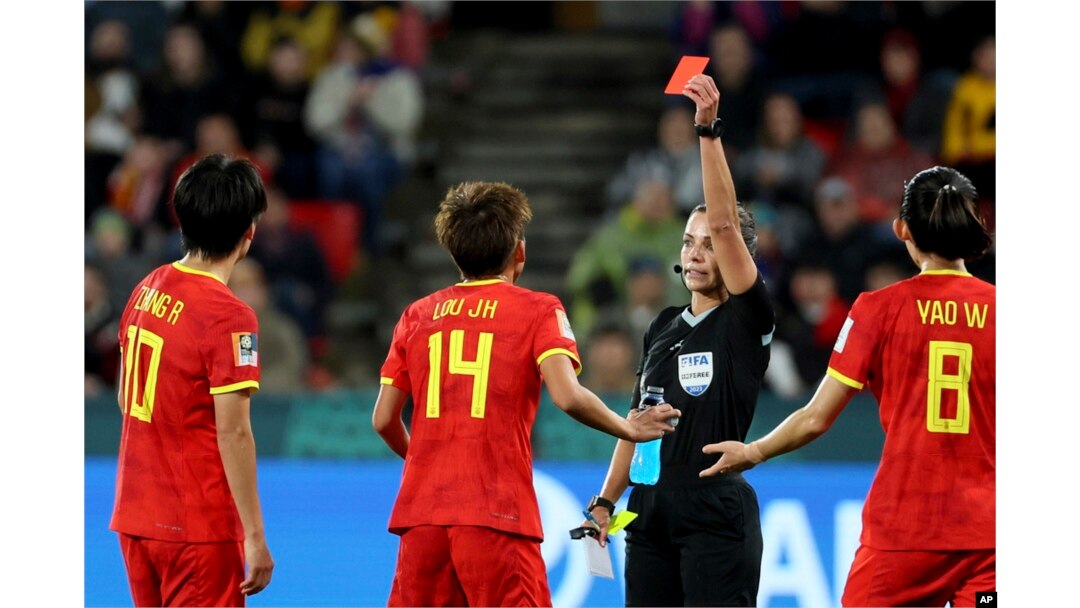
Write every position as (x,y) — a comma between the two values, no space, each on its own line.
(711,368)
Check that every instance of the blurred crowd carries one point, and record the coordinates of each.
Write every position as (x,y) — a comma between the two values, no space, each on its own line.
(325,98)
(828,106)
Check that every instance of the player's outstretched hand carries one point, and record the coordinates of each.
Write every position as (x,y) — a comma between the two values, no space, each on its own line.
(735,458)
(651,423)
(703,92)
(260,566)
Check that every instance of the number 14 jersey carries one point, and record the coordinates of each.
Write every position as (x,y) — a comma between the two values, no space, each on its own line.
(469,355)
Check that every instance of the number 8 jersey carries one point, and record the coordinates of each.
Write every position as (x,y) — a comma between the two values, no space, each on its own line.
(926,348)
(469,355)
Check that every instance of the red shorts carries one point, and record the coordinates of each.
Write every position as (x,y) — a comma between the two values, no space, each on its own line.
(164,573)
(468,566)
(919,578)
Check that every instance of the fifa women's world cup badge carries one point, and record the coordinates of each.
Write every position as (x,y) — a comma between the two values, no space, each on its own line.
(246,349)
(695,372)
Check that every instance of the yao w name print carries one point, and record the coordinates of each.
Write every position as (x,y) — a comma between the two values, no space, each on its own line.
(947,312)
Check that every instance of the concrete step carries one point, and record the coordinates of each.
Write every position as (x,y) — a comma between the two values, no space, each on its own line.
(557,229)
(571,47)
(430,256)
(484,148)
(505,98)
(590,124)
(527,177)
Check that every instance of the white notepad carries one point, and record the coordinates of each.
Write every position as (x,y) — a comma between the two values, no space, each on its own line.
(597,558)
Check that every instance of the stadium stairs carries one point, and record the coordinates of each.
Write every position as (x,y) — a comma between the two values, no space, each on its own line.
(555,114)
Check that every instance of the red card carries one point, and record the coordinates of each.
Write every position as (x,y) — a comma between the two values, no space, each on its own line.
(689,66)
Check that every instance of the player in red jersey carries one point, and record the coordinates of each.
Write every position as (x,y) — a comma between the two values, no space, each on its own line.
(472,357)
(187,505)
(925,347)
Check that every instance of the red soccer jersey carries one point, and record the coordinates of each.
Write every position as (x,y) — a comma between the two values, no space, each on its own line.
(926,347)
(184,338)
(469,355)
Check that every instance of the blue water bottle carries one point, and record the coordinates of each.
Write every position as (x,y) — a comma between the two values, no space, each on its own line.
(645,467)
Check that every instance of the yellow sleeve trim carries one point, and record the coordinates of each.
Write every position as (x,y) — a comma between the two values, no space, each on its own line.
(560,351)
(229,388)
(855,384)
(385,380)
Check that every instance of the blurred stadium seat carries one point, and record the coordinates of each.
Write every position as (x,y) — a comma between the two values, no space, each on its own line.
(336,226)
(827,134)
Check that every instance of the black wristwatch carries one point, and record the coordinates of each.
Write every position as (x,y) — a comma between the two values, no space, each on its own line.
(600,501)
(714,130)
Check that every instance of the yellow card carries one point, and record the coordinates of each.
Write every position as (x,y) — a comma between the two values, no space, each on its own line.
(620,520)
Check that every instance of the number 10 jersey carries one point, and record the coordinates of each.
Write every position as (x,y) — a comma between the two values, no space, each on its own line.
(184,338)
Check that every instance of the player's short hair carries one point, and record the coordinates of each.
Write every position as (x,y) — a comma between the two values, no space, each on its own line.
(216,201)
(940,206)
(480,224)
(747,226)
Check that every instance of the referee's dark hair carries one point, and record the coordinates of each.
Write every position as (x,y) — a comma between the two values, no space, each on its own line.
(216,201)
(941,210)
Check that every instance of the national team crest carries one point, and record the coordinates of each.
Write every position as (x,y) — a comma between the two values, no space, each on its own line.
(564,325)
(841,339)
(245,349)
(695,372)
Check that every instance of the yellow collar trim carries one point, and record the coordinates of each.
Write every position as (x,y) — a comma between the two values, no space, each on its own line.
(189,270)
(958,273)
(476,283)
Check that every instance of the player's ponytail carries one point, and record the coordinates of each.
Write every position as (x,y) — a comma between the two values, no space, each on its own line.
(940,209)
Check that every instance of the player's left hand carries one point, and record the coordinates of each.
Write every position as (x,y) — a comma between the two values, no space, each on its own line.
(734,458)
(260,566)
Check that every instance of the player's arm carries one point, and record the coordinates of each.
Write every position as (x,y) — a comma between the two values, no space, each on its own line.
(584,406)
(734,259)
(387,418)
(232,414)
(798,429)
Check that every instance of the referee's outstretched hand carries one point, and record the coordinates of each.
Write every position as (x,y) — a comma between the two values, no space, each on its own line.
(734,459)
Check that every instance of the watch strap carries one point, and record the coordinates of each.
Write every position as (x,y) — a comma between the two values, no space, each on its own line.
(600,501)
(714,129)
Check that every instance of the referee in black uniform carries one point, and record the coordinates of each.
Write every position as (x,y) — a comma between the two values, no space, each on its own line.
(697,541)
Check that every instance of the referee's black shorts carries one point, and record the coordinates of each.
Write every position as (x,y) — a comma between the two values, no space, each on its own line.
(695,542)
